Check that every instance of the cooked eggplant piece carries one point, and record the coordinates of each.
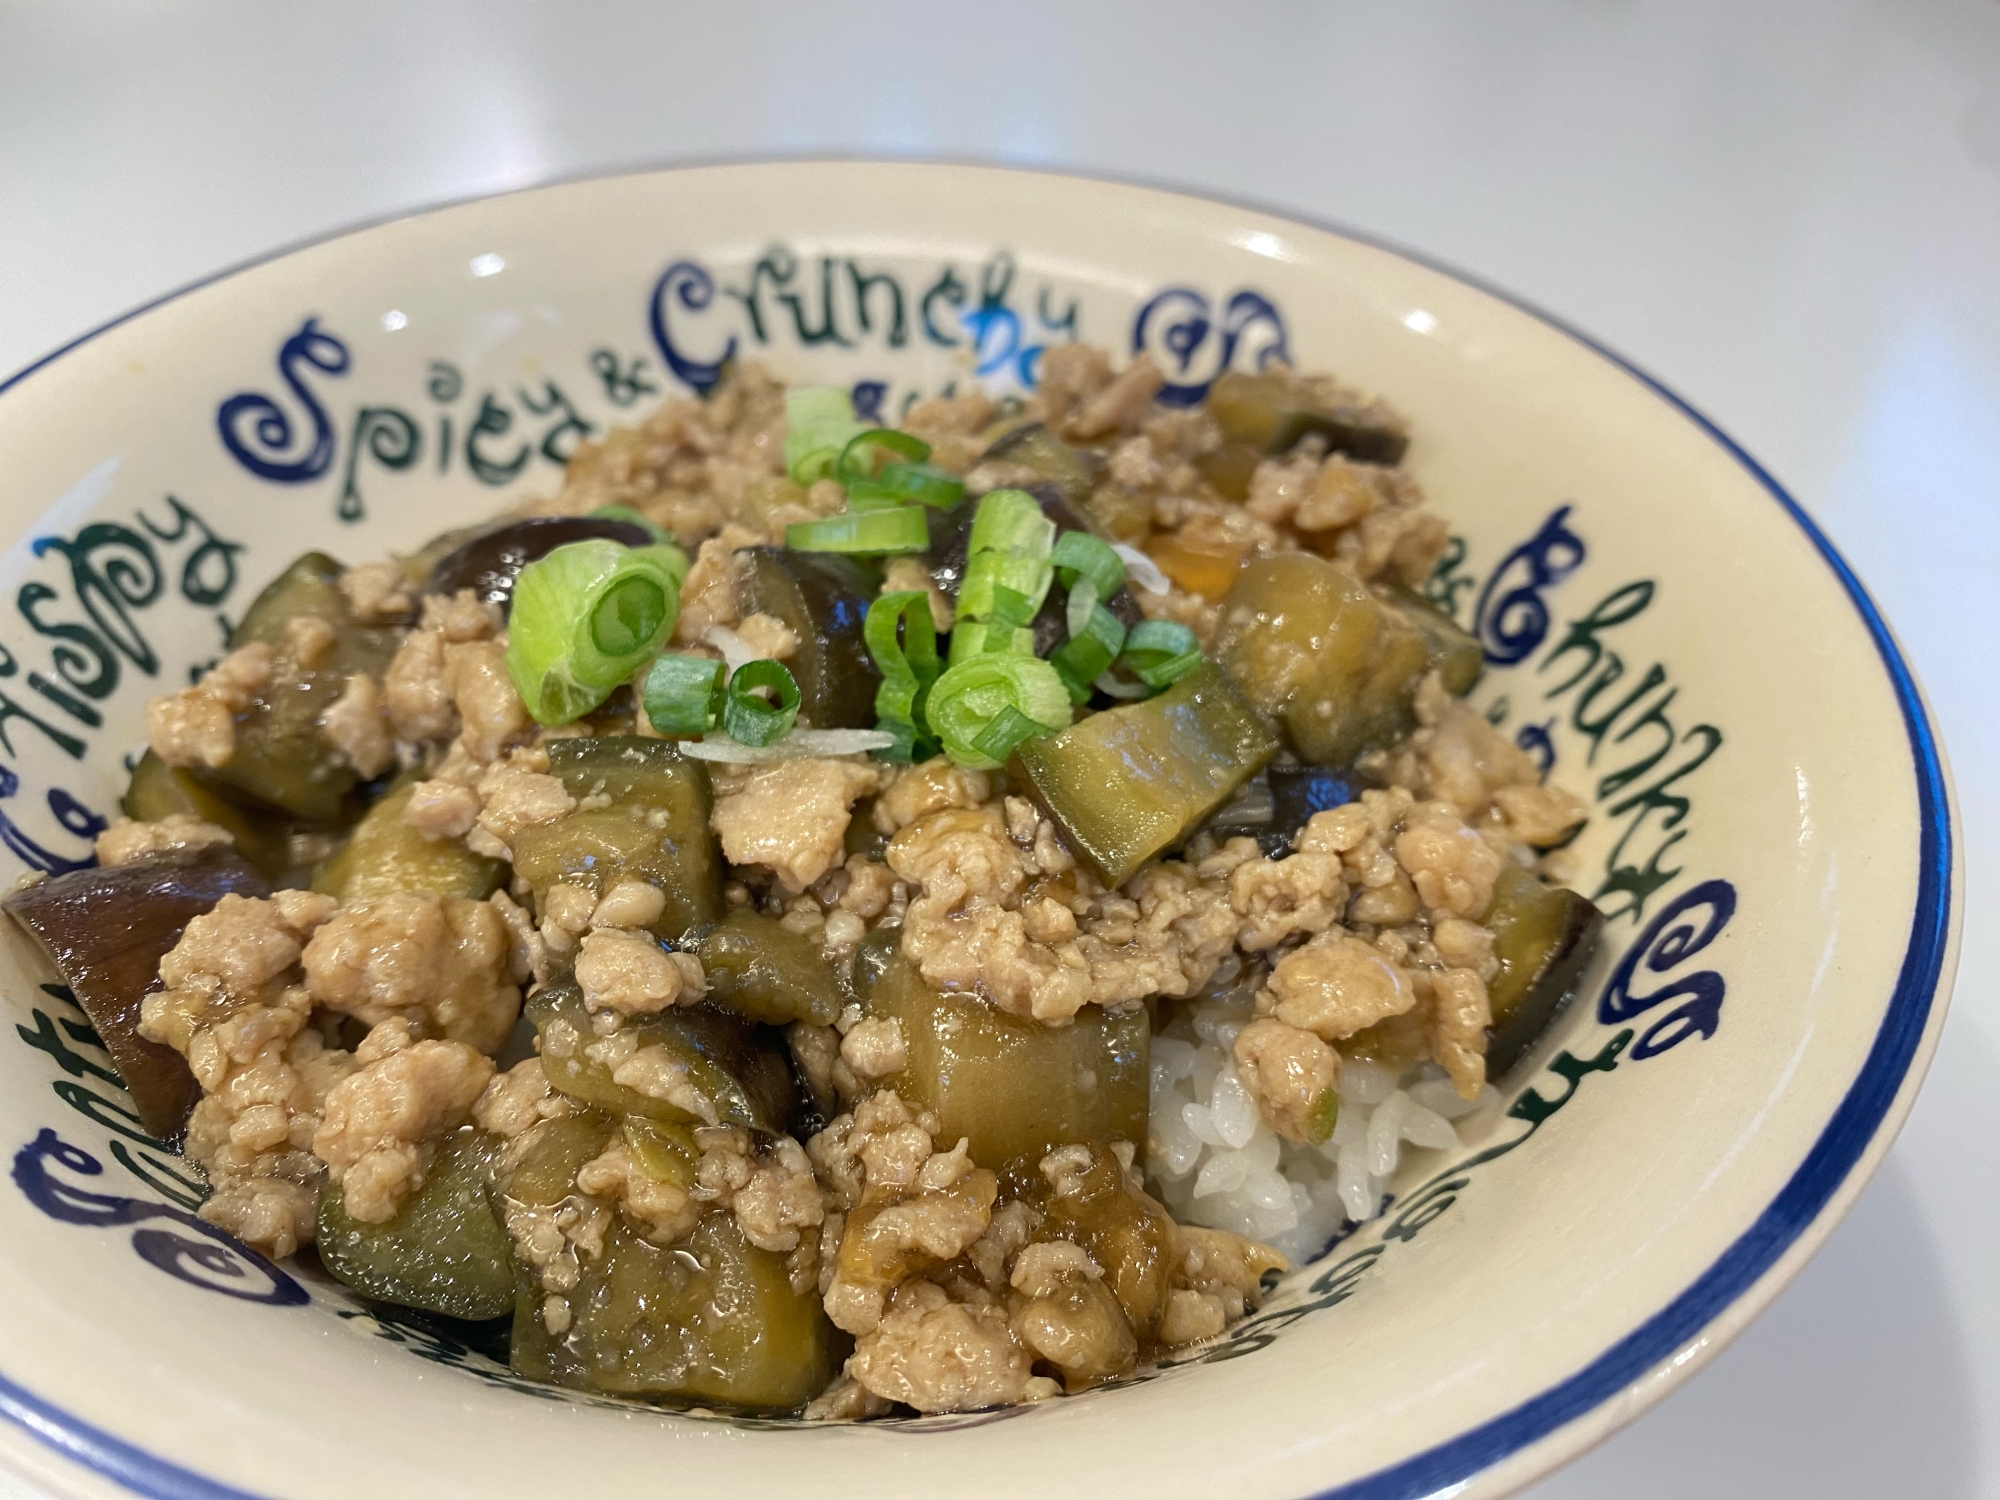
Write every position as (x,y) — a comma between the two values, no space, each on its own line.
(653,828)
(444,1251)
(1272,411)
(823,599)
(490,562)
(282,760)
(1320,654)
(1230,468)
(157,791)
(1016,1089)
(712,1319)
(106,931)
(385,854)
(716,1069)
(1297,792)
(543,1172)
(1124,1230)
(1071,472)
(762,970)
(1173,759)
(1450,650)
(1543,936)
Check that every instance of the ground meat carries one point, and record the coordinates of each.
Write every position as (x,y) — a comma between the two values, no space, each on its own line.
(928,788)
(708,593)
(846,1400)
(790,817)
(245,943)
(416,693)
(938,1355)
(197,725)
(518,1100)
(887,1238)
(489,709)
(772,1192)
(441,962)
(630,903)
(378,593)
(1335,986)
(1460,1015)
(1191,1316)
(1538,815)
(357,728)
(1452,867)
(629,972)
(953,426)
(1067,1316)
(126,840)
(441,809)
(1224,1266)
(875,1049)
(527,953)
(767,636)
(663,1211)
(381,1124)
(514,798)
(1289,1072)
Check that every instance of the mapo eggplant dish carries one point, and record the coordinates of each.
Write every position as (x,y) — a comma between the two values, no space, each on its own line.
(832,919)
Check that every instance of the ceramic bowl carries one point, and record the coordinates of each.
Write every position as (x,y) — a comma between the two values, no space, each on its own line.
(1770,838)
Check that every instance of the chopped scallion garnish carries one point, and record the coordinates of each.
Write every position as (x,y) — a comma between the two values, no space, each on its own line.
(1007,570)
(1161,652)
(909,667)
(1079,556)
(750,719)
(683,694)
(876,533)
(585,617)
(1088,653)
(973,693)
(819,424)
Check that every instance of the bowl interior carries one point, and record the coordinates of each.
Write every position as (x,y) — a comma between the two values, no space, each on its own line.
(1768,832)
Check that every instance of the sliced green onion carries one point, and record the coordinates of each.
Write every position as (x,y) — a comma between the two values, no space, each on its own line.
(645,523)
(819,424)
(908,668)
(751,720)
(1088,653)
(857,459)
(1004,735)
(1161,652)
(683,694)
(1079,556)
(970,638)
(899,528)
(973,693)
(897,484)
(586,616)
(1007,571)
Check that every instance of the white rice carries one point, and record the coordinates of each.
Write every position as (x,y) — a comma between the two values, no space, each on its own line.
(1214,1162)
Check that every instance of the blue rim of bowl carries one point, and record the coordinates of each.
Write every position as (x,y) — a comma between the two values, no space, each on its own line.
(1804,1197)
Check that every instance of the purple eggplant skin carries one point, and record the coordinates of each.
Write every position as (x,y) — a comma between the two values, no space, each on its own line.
(106,929)
(490,562)
(1543,936)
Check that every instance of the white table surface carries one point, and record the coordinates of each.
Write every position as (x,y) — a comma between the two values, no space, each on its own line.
(1789,210)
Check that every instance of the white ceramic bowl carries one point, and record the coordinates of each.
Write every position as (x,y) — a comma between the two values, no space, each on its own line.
(1771,830)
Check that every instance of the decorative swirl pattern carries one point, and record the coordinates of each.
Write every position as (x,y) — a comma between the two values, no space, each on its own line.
(1512,618)
(1176,324)
(109,587)
(688,284)
(1683,928)
(213,1260)
(265,449)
